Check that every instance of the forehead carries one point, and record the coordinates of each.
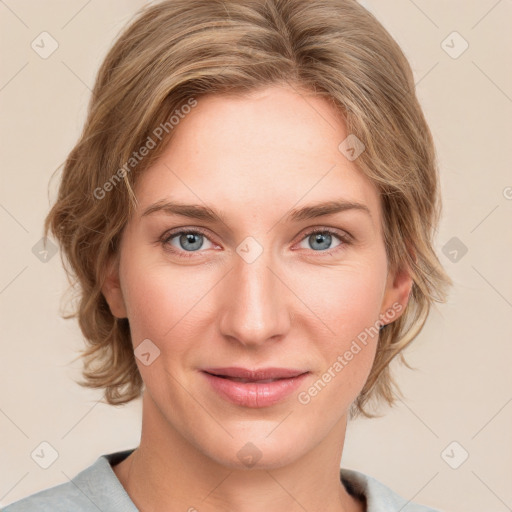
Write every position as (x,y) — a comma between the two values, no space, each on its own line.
(275,148)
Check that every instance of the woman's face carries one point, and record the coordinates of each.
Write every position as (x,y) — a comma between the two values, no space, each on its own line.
(239,280)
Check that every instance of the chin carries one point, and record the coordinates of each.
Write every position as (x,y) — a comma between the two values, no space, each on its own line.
(255,451)
(253,457)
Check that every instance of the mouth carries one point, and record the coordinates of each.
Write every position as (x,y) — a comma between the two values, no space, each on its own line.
(254,388)
(238,379)
(262,375)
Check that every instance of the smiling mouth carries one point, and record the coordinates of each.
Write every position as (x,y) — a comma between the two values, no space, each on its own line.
(244,380)
(261,375)
(254,388)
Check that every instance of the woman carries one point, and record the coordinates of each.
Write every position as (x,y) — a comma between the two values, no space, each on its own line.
(249,216)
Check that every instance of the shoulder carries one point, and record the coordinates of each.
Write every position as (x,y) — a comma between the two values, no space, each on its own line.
(379,497)
(94,488)
(63,497)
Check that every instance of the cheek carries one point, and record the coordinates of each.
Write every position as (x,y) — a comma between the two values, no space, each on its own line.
(346,300)
(347,304)
(155,302)
(164,302)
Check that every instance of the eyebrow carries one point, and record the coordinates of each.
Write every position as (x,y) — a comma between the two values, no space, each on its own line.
(327,208)
(205,213)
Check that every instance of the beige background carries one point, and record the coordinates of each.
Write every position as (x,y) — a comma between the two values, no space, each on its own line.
(462,389)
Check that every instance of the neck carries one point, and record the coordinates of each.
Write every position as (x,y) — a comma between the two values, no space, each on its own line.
(168,472)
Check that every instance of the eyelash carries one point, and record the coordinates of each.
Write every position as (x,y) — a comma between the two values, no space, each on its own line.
(346,239)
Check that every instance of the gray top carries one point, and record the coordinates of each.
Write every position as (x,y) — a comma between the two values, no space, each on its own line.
(97,489)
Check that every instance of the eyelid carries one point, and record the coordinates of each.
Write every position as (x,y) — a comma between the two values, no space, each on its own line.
(344,237)
(177,231)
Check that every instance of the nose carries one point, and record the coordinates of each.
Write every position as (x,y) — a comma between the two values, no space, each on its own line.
(254,302)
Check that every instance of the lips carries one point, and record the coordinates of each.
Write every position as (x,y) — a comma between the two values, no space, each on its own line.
(262,375)
(254,388)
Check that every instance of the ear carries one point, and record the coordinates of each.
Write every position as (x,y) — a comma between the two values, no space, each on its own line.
(111,289)
(398,290)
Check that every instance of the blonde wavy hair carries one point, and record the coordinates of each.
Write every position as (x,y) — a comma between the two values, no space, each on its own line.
(173,52)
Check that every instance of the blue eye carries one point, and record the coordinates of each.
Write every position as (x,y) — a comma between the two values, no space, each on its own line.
(321,240)
(189,241)
(185,243)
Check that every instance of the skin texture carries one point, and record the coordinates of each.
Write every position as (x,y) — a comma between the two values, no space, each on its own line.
(299,304)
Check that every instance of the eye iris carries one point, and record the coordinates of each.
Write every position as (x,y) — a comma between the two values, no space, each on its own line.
(319,238)
(191,237)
